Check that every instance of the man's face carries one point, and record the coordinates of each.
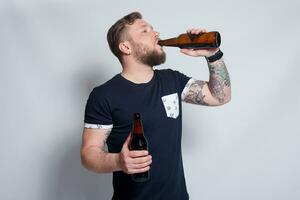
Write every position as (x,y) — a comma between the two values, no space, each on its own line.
(144,41)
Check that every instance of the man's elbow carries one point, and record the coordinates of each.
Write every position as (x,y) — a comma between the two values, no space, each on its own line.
(227,98)
(90,159)
(83,158)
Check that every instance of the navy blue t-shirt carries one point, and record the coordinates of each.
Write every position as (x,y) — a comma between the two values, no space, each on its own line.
(112,105)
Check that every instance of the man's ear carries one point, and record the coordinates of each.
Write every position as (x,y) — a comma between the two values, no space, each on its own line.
(125,47)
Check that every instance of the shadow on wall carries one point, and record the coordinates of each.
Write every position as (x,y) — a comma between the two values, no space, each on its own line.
(74,181)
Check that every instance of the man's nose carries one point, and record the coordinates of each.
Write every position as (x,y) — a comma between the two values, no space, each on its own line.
(156,34)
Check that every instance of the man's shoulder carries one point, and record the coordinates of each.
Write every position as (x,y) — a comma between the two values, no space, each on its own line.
(106,86)
(164,71)
(171,73)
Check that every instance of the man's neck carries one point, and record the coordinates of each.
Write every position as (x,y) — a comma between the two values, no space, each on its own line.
(137,73)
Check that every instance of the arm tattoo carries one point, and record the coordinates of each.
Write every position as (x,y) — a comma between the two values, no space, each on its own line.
(219,79)
(195,94)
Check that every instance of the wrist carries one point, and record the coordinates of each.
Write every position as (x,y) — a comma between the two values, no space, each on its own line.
(216,56)
(117,162)
(212,52)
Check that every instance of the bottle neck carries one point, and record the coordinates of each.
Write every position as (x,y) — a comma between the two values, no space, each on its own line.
(137,125)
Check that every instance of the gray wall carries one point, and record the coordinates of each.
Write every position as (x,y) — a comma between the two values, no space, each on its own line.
(52,53)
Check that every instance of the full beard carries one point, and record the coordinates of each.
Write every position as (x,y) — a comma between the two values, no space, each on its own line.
(147,56)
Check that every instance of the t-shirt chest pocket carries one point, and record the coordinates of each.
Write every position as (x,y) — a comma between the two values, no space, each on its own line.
(171,105)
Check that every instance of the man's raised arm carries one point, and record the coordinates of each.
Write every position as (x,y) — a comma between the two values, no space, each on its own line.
(215,92)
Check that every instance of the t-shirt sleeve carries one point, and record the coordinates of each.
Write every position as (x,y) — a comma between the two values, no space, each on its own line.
(97,111)
(182,80)
(184,83)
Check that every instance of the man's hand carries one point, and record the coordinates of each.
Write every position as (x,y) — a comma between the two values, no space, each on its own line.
(132,162)
(198,52)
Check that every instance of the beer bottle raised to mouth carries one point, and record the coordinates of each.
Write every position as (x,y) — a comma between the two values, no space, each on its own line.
(193,41)
(138,142)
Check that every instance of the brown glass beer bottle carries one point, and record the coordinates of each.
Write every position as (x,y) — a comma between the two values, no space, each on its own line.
(192,41)
(138,142)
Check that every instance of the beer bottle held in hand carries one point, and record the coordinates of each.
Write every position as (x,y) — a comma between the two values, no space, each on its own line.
(138,142)
(192,41)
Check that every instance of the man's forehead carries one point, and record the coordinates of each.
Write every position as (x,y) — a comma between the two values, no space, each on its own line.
(136,27)
(140,23)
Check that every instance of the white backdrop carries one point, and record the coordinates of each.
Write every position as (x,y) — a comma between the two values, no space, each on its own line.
(52,53)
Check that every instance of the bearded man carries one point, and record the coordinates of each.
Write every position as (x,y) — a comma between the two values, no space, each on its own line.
(158,96)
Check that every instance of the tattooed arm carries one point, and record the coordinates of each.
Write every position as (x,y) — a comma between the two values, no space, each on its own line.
(219,81)
(217,91)
(213,93)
